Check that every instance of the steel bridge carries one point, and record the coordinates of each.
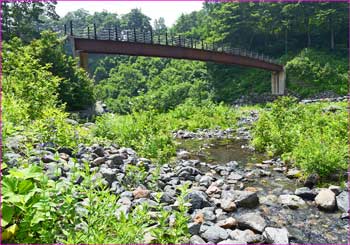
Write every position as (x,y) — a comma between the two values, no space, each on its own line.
(114,41)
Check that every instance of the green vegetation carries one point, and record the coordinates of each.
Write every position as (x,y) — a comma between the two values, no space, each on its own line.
(152,97)
(39,210)
(149,132)
(314,71)
(312,137)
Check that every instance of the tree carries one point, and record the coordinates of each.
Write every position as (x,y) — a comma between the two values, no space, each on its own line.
(135,19)
(25,19)
(159,25)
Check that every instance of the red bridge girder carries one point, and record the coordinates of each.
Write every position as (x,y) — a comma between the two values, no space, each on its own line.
(156,50)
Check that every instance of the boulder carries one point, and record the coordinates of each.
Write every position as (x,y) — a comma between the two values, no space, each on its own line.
(291,201)
(245,199)
(198,200)
(229,241)
(196,240)
(246,236)
(276,235)
(183,155)
(343,201)
(193,228)
(228,205)
(252,221)
(305,193)
(325,200)
(215,234)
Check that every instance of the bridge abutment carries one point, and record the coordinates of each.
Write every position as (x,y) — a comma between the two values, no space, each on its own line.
(278,82)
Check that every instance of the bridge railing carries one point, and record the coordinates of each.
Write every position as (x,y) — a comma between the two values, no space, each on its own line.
(158,38)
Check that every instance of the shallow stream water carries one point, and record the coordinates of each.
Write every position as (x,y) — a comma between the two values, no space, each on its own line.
(305,225)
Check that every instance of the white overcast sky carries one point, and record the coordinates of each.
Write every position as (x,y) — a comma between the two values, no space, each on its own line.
(170,10)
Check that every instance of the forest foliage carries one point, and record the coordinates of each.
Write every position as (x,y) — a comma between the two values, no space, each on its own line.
(151,98)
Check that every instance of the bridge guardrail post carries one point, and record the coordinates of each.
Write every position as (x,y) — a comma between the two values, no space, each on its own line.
(151,36)
(109,33)
(144,36)
(134,31)
(191,42)
(158,37)
(127,35)
(95,33)
(88,32)
(166,38)
(202,44)
(71,27)
(65,29)
(116,33)
(179,40)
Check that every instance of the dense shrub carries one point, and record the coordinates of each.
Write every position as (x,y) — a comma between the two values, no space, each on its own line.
(312,71)
(311,136)
(76,88)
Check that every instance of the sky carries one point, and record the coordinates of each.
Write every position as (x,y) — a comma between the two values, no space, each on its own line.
(170,10)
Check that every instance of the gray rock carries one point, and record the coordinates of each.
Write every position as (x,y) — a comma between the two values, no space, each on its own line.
(14,142)
(325,200)
(116,160)
(98,150)
(343,201)
(53,171)
(270,200)
(198,199)
(48,158)
(291,201)
(108,174)
(252,221)
(229,241)
(98,161)
(167,197)
(208,213)
(276,236)
(193,228)
(305,193)
(196,240)
(183,155)
(215,234)
(246,236)
(246,199)
(228,205)
(188,173)
(11,158)
(205,180)
(235,176)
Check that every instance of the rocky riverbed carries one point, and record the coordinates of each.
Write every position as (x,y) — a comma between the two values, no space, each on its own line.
(236,196)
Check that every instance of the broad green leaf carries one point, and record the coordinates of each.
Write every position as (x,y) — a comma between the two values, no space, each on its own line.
(38,217)
(25,186)
(7,214)
(27,173)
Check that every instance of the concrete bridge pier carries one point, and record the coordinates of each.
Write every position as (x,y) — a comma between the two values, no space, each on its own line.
(278,82)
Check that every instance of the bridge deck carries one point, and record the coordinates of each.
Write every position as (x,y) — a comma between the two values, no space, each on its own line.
(86,45)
